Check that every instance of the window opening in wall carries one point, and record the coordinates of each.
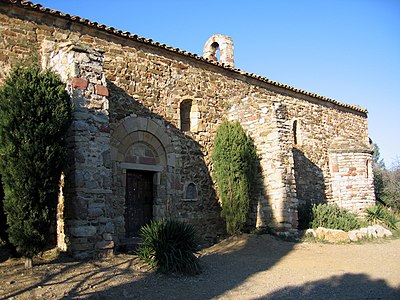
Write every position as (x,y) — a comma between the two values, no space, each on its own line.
(185,109)
(215,48)
(191,192)
(295,133)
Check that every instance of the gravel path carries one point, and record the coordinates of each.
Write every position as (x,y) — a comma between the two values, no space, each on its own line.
(245,267)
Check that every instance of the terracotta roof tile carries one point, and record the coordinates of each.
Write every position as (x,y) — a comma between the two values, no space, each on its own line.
(126,34)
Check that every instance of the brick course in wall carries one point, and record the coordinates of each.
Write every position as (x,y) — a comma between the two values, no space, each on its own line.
(128,95)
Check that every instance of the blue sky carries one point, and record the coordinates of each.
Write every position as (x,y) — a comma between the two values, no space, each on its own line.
(348,50)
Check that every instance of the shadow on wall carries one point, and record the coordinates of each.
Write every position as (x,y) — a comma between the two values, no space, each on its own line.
(201,210)
(260,216)
(310,186)
(242,258)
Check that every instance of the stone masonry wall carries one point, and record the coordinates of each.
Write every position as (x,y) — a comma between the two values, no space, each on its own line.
(352,178)
(87,187)
(145,82)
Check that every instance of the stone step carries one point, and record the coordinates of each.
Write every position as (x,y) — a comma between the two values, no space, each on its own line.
(129,244)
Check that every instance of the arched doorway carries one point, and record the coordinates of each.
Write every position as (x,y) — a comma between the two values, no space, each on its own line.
(143,164)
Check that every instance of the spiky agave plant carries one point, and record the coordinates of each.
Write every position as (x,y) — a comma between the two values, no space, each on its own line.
(380,215)
(169,246)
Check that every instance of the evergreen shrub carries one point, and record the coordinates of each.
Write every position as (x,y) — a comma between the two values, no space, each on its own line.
(169,246)
(235,172)
(333,217)
(35,113)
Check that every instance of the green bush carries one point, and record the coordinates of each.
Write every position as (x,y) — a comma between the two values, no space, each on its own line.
(35,113)
(333,217)
(169,246)
(235,172)
(379,215)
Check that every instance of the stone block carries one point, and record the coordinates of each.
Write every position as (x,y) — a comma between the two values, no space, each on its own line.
(96,203)
(332,235)
(153,127)
(381,231)
(95,212)
(104,245)
(107,236)
(83,231)
(79,83)
(110,228)
(101,90)
(310,233)
(81,247)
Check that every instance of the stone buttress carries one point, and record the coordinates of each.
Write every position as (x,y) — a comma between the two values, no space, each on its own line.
(88,230)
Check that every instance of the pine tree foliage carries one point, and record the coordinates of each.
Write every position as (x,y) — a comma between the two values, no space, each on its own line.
(378,168)
(234,169)
(391,186)
(35,113)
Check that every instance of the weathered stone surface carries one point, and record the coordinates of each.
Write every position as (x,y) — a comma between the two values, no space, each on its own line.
(105,245)
(375,231)
(83,231)
(95,212)
(126,93)
(310,233)
(107,236)
(332,235)
(79,83)
(381,231)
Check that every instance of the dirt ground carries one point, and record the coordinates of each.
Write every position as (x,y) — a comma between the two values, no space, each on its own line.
(244,267)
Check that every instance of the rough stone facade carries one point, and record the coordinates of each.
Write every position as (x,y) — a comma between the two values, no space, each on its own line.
(148,110)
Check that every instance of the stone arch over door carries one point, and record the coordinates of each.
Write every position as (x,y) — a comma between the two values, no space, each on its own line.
(141,145)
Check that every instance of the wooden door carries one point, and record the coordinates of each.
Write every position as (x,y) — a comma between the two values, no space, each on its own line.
(138,201)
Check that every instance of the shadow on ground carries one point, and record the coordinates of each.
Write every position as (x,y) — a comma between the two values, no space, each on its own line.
(225,266)
(230,270)
(60,278)
(347,286)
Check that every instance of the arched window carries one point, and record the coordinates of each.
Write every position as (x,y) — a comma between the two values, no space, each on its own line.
(191,192)
(215,55)
(185,110)
(219,48)
(295,133)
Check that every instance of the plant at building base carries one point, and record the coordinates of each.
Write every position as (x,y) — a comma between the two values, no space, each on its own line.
(332,216)
(169,246)
(380,215)
(35,113)
(235,172)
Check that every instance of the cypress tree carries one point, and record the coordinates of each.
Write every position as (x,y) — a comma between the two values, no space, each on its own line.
(234,169)
(35,113)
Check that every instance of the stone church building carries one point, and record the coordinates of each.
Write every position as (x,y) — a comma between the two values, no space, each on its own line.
(145,116)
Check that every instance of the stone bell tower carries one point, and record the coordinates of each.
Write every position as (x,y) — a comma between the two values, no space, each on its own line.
(225,46)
